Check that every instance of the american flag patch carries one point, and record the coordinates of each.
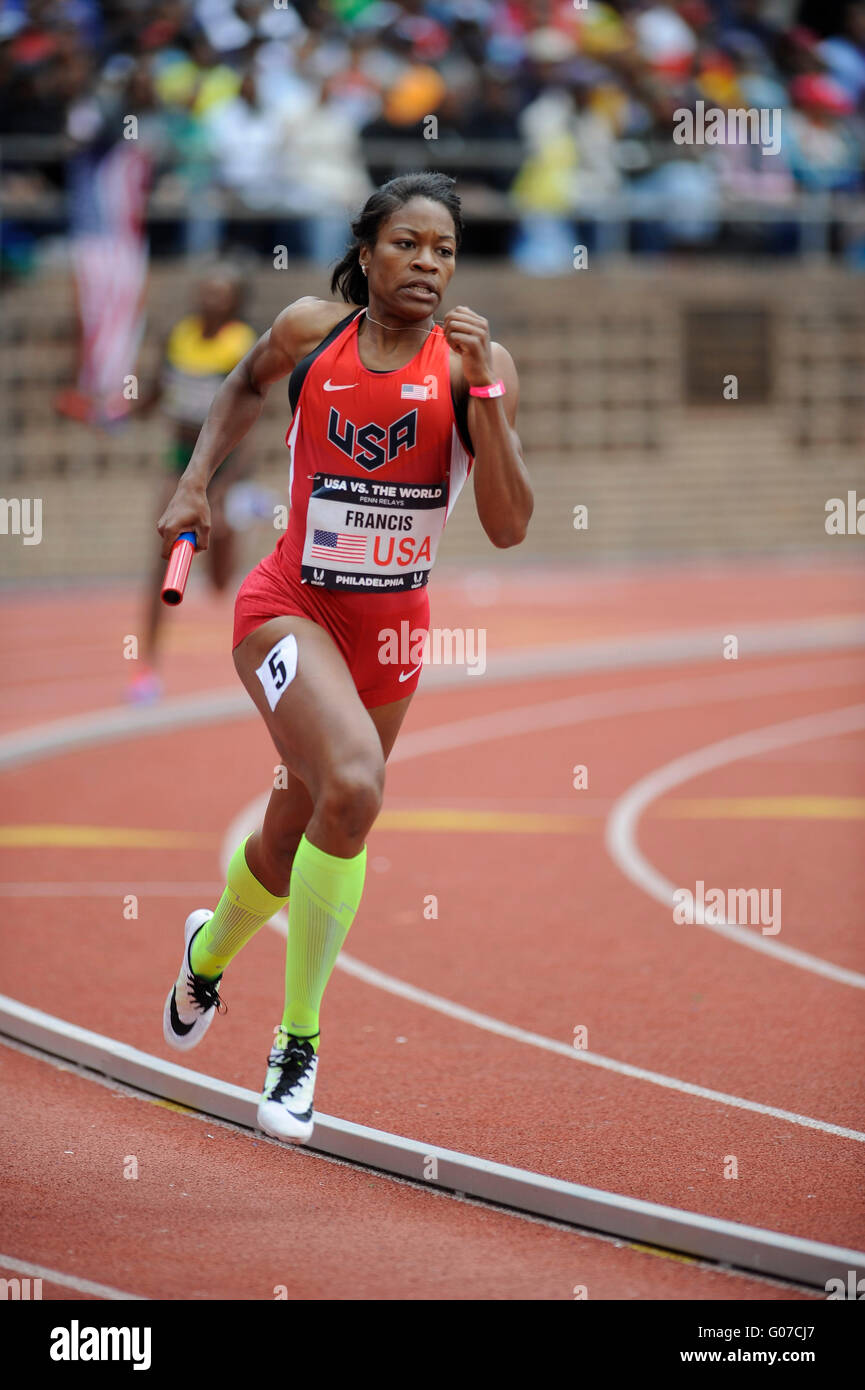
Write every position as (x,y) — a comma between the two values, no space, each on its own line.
(338,545)
(413,393)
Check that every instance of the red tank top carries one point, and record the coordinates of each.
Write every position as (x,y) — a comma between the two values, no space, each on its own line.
(378,460)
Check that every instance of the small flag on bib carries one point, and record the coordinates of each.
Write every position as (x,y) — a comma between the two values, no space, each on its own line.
(338,545)
(409,392)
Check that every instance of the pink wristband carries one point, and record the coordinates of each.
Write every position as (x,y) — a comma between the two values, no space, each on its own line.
(496,389)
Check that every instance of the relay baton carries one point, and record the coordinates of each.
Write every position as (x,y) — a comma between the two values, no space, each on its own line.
(177,569)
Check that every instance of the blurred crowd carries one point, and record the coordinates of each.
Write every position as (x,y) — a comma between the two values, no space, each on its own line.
(562,108)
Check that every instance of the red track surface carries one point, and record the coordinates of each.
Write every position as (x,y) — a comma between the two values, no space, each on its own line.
(540,931)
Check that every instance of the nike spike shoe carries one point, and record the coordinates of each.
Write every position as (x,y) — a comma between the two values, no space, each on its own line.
(285,1108)
(192,1001)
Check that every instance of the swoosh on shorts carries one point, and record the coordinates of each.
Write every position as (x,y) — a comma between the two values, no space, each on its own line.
(406,675)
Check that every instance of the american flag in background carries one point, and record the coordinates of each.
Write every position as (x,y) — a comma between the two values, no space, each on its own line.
(110,261)
(338,545)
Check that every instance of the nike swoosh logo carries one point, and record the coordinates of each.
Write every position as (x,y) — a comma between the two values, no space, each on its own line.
(406,675)
(328,386)
(181,1029)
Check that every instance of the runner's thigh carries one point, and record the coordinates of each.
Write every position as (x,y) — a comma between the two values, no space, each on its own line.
(318,723)
(290,805)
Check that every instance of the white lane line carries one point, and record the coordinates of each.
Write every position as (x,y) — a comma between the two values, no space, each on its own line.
(119,722)
(67,1281)
(576,709)
(529,719)
(97,727)
(640,699)
(621,828)
(106,890)
(371,976)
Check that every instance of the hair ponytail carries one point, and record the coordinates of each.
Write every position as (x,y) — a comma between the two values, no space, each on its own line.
(349,279)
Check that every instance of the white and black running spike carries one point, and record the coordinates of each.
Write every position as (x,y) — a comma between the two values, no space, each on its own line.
(193,1001)
(285,1110)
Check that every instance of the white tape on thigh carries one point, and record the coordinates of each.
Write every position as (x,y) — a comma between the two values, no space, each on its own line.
(278,669)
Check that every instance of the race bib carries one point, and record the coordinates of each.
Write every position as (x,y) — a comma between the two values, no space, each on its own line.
(278,669)
(380,537)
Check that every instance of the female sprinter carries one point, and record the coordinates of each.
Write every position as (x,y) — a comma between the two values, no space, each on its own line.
(390,410)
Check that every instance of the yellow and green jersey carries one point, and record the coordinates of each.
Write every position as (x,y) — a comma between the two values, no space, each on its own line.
(195,366)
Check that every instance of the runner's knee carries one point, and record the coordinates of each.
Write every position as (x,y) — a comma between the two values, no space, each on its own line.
(351,796)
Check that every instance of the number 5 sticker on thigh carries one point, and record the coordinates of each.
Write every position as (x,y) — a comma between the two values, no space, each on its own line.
(278,668)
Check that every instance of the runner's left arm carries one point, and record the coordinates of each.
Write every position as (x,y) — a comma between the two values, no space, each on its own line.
(503,492)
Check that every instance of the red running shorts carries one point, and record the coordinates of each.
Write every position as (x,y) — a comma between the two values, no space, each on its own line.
(354,621)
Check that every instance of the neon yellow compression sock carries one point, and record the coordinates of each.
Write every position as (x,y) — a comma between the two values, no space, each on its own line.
(244,907)
(325,895)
